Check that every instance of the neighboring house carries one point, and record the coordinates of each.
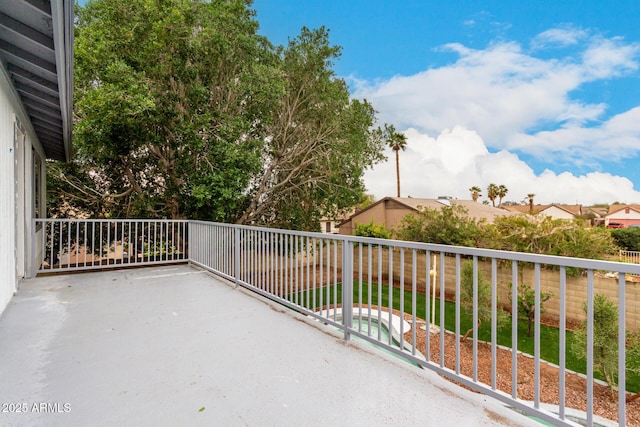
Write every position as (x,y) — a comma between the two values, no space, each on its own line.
(596,214)
(390,211)
(554,211)
(625,215)
(331,225)
(562,211)
(36,80)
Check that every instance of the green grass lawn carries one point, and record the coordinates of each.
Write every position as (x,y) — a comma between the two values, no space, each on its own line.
(549,336)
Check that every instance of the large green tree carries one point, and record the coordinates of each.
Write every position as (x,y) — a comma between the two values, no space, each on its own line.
(169,99)
(318,143)
(183,110)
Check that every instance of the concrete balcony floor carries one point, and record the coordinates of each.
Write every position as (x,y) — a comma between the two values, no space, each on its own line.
(176,346)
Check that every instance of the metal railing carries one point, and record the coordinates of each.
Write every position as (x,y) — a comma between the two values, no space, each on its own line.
(402,296)
(632,257)
(82,244)
(386,292)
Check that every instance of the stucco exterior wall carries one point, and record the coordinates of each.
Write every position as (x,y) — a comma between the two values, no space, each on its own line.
(556,213)
(16,189)
(388,213)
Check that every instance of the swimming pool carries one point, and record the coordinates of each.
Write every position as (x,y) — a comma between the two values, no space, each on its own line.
(379,328)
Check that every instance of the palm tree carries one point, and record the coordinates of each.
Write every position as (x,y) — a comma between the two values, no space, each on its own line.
(397,141)
(530,196)
(492,193)
(502,192)
(475,192)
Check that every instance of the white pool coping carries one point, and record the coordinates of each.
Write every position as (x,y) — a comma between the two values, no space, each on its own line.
(396,321)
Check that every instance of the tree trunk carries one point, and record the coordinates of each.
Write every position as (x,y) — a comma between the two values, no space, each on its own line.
(466,335)
(398,169)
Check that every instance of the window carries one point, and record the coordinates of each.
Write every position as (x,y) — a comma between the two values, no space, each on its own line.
(328,227)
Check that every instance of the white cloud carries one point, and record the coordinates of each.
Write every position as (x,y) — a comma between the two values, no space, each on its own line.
(498,92)
(458,159)
(615,139)
(503,92)
(558,37)
(606,58)
(516,102)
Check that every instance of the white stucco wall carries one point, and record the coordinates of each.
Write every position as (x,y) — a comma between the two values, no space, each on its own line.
(7,197)
(15,212)
(622,215)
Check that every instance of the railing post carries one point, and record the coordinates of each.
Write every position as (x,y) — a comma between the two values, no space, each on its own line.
(31,254)
(236,255)
(347,288)
(189,247)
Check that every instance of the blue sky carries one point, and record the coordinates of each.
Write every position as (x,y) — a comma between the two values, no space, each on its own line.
(542,96)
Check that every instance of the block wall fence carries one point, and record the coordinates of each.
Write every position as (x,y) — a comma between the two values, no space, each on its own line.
(576,286)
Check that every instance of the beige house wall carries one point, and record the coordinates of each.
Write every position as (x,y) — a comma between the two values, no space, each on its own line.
(388,213)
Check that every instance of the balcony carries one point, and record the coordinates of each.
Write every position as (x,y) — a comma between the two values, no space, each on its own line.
(269,327)
(174,345)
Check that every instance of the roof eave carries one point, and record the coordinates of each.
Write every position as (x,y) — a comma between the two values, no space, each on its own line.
(62,18)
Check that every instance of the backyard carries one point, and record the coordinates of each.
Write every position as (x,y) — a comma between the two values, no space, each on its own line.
(605,402)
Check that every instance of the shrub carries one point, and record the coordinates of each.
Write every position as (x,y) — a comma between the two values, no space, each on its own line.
(372,230)
(605,341)
(527,303)
(627,238)
(483,297)
(549,236)
(449,225)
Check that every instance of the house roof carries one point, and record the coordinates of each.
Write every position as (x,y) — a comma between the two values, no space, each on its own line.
(617,208)
(522,208)
(598,211)
(338,217)
(414,203)
(479,210)
(36,53)
(574,210)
